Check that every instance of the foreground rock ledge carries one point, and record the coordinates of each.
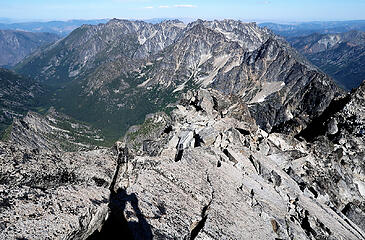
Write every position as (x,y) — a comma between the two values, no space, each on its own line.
(53,196)
(214,175)
(205,172)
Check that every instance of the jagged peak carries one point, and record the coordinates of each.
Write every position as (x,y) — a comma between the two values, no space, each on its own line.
(169,21)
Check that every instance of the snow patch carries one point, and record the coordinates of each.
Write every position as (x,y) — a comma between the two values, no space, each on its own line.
(204,58)
(361,186)
(267,89)
(219,62)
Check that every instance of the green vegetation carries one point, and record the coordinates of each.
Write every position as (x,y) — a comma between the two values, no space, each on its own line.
(144,130)
(118,103)
(135,138)
(6,131)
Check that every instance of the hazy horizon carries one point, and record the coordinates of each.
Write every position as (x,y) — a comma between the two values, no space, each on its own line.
(14,21)
(281,11)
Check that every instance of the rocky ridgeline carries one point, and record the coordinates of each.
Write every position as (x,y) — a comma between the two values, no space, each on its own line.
(209,172)
(17,96)
(204,172)
(53,132)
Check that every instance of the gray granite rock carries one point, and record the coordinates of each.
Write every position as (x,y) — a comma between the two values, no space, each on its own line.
(230,186)
(53,196)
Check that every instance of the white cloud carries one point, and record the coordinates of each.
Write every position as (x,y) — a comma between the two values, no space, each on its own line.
(149,7)
(185,6)
(163,7)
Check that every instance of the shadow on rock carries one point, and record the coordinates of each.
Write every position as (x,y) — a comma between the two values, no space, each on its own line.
(117,226)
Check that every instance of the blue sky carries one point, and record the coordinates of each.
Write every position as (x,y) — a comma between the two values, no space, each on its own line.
(258,10)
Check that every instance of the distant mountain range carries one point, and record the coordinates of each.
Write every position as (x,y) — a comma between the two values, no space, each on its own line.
(341,55)
(16,45)
(61,28)
(322,27)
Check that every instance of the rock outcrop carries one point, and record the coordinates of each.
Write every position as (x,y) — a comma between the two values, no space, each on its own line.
(53,196)
(338,138)
(218,176)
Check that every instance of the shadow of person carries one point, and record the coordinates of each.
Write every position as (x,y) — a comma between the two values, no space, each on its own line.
(117,225)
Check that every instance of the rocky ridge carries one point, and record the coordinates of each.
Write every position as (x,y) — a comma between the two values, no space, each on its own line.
(207,171)
(53,132)
(217,175)
(17,96)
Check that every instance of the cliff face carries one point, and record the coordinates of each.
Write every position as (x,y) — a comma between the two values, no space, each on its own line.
(16,45)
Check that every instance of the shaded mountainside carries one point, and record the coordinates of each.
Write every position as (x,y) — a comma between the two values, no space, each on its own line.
(127,69)
(51,131)
(16,45)
(342,56)
(17,96)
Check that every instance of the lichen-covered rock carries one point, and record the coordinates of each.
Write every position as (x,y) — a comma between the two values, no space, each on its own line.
(53,196)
